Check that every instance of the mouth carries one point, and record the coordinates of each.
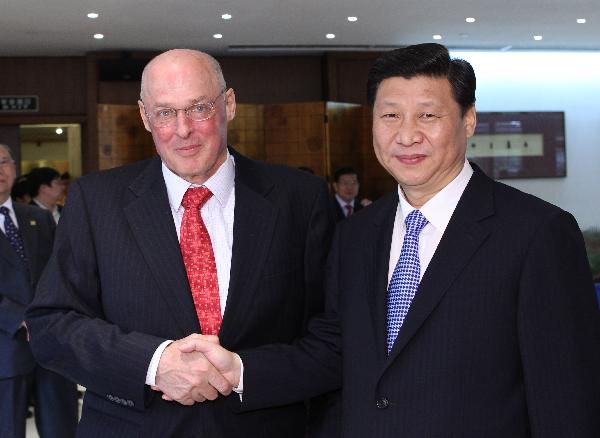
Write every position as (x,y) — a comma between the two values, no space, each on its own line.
(188,149)
(411,159)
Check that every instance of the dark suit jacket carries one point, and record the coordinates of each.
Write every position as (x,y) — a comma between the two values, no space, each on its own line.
(116,288)
(338,213)
(17,285)
(500,341)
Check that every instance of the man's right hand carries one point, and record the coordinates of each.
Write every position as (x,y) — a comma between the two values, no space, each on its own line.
(188,377)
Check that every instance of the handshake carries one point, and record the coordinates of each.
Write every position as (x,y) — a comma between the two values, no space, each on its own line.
(195,369)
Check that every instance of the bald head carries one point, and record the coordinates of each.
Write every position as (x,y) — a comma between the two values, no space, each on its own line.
(193,61)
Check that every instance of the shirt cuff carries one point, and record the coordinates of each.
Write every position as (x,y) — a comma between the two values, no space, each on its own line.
(240,388)
(153,367)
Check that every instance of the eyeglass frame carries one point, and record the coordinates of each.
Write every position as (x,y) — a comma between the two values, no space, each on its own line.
(6,162)
(210,104)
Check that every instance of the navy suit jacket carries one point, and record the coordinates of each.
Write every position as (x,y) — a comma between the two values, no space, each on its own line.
(116,287)
(17,285)
(338,213)
(500,341)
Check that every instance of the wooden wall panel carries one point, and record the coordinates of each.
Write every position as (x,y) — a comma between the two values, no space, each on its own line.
(122,137)
(60,83)
(295,135)
(246,132)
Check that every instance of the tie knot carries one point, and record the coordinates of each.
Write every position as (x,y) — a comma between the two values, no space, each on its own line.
(4,210)
(195,197)
(415,222)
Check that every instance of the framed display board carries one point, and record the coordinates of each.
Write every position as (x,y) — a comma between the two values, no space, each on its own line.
(519,144)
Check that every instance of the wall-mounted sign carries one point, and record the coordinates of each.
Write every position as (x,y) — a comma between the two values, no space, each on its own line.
(19,104)
(519,144)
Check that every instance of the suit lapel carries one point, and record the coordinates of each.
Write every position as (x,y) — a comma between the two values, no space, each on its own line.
(149,216)
(254,223)
(463,236)
(378,249)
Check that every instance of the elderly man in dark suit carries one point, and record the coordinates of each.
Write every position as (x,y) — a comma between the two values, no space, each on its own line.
(25,246)
(461,307)
(197,240)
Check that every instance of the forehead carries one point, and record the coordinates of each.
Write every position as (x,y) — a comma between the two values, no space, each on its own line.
(3,152)
(348,176)
(180,81)
(420,89)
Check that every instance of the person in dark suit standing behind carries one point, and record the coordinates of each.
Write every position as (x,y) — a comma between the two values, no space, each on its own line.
(197,240)
(462,307)
(25,246)
(46,190)
(344,201)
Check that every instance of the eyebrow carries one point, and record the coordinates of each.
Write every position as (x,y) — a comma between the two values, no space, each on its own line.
(195,101)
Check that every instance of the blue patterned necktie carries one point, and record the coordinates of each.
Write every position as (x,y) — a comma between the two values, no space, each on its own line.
(406,277)
(13,235)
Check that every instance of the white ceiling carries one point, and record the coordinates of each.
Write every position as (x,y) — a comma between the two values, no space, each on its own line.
(60,27)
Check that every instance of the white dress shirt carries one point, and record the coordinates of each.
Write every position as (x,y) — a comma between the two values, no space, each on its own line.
(217,214)
(11,212)
(438,211)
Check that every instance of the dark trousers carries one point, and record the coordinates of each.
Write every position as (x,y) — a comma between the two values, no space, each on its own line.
(55,399)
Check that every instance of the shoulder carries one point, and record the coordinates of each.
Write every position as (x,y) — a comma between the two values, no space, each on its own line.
(281,177)
(30,211)
(117,175)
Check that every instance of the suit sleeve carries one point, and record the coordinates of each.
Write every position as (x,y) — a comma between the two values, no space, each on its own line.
(559,327)
(69,333)
(287,373)
(12,315)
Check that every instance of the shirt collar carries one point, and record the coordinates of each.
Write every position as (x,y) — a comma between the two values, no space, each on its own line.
(439,209)
(342,202)
(8,204)
(220,184)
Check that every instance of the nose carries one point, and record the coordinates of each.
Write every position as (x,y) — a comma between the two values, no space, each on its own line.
(183,124)
(408,133)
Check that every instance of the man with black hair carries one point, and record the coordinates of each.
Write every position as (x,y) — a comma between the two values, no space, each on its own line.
(458,306)
(344,202)
(46,189)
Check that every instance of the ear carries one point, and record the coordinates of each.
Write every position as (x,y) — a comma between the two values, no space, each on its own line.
(470,121)
(143,114)
(230,104)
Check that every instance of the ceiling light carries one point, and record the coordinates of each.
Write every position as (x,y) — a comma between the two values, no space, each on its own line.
(352,18)
(93,15)
(59,131)
(437,37)
(538,37)
(330,36)
(98,36)
(470,20)
(505,48)
(217,36)
(581,21)
(226,16)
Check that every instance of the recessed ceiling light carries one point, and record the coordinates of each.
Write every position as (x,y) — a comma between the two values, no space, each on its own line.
(352,18)
(93,15)
(505,48)
(581,20)
(217,36)
(437,37)
(98,36)
(470,20)
(59,131)
(330,36)
(226,16)
(538,37)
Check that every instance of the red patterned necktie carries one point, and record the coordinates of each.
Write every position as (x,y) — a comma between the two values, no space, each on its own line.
(199,261)
(348,209)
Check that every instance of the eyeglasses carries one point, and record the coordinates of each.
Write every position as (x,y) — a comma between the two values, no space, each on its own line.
(198,112)
(6,162)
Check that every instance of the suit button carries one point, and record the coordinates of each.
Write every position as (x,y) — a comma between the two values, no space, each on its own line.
(382,403)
